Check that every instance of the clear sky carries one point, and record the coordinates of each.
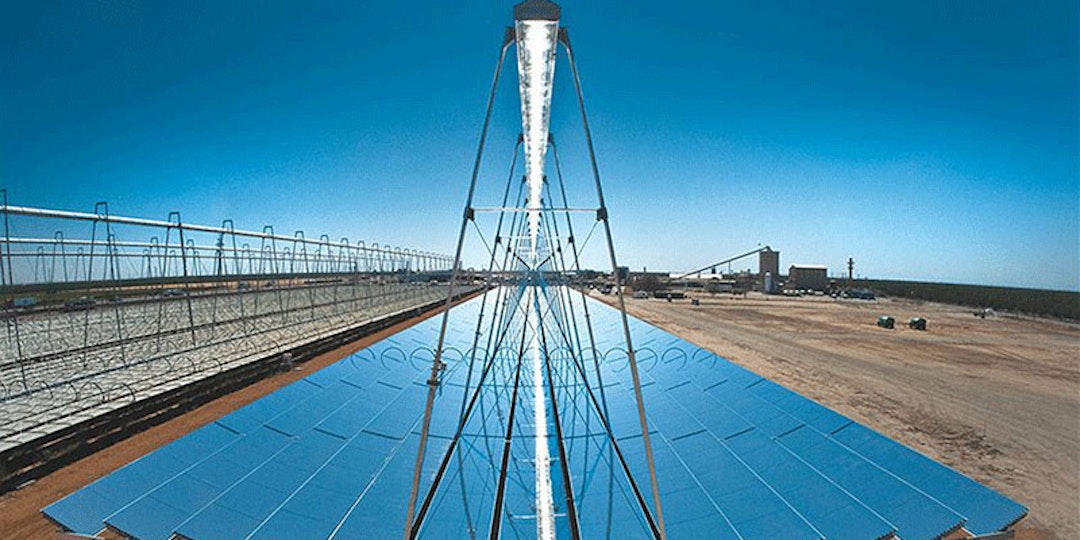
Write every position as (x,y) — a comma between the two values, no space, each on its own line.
(930,140)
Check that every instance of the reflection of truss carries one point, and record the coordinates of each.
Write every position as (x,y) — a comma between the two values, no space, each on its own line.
(534,348)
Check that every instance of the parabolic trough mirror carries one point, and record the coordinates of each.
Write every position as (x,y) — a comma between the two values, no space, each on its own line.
(737,456)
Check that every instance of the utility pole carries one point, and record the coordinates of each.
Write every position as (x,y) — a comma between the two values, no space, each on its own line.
(850,272)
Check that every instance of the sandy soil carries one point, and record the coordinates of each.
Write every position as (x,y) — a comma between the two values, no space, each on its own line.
(20,515)
(996,398)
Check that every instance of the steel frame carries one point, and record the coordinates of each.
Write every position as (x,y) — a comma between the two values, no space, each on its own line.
(169,250)
(171,303)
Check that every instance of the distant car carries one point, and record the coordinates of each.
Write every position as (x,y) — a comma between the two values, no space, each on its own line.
(80,304)
(860,294)
(641,294)
(678,295)
(171,293)
(886,321)
(917,323)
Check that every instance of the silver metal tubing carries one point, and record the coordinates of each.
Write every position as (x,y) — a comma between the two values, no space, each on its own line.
(525,210)
(106,218)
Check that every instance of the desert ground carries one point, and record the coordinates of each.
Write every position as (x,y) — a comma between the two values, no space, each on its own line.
(996,398)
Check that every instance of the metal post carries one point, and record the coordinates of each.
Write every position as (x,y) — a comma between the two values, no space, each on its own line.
(496,514)
(11,282)
(602,215)
(433,381)
(89,278)
(184,268)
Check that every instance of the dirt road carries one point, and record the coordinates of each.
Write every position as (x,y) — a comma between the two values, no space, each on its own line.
(996,398)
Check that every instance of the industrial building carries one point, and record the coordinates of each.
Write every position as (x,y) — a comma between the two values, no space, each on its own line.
(709,279)
(806,277)
(768,270)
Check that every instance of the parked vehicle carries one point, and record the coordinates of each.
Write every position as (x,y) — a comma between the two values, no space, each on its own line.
(80,304)
(886,321)
(641,294)
(917,323)
(26,301)
(678,295)
(860,294)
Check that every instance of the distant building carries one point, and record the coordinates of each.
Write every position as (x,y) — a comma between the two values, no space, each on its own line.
(768,269)
(768,262)
(806,277)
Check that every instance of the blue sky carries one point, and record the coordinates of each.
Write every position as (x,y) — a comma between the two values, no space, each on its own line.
(929,140)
